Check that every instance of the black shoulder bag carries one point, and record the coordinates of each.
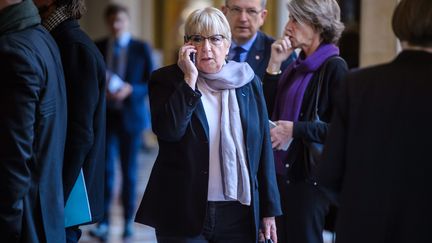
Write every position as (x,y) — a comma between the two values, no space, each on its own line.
(313,150)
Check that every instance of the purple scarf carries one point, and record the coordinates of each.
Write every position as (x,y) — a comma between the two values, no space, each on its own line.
(291,89)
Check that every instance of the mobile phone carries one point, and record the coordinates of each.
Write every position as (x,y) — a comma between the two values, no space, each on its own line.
(192,57)
(272,124)
(266,241)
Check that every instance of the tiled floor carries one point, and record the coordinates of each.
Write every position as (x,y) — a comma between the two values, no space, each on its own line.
(143,234)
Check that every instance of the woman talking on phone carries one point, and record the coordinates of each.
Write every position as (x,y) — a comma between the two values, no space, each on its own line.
(214,178)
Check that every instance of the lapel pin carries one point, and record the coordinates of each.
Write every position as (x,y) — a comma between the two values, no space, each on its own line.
(257,57)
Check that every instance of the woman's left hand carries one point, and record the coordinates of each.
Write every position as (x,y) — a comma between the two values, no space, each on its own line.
(281,134)
(268,229)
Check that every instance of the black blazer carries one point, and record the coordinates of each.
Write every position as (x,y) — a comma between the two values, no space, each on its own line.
(32,137)
(377,155)
(260,52)
(335,72)
(138,69)
(84,70)
(176,196)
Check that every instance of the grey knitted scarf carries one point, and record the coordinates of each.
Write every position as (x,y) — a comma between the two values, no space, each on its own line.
(235,174)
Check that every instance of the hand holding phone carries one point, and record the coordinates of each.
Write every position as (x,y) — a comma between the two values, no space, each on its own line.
(192,57)
(192,54)
(284,146)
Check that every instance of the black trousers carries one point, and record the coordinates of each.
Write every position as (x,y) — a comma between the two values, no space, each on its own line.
(225,222)
(304,209)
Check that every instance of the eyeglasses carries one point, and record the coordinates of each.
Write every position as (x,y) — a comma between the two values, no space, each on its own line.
(249,11)
(198,40)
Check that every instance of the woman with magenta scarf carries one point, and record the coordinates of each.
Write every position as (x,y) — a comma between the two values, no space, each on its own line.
(314,27)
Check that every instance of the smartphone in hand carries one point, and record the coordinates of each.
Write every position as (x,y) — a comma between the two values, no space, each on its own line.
(272,124)
(192,57)
(266,241)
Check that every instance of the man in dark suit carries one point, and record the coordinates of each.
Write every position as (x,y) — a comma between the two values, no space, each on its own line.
(84,70)
(248,43)
(130,64)
(377,157)
(32,128)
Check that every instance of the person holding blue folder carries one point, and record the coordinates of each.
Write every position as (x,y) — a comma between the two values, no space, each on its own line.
(84,71)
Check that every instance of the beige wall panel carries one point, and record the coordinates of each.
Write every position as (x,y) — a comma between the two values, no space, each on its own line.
(147,20)
(281,13)
(377,41)
(93,22)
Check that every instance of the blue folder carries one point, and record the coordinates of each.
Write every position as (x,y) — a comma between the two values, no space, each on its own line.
(77,209)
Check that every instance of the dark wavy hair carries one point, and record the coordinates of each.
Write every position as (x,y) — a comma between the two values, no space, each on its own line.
(412,22)
(77,8)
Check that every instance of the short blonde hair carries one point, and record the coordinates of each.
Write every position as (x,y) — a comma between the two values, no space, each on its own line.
(207,21)
(322,15)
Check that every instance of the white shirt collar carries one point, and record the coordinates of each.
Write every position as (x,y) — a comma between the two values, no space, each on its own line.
(123,39)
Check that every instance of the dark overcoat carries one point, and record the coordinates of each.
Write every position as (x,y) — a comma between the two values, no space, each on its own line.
(32,137)
(84,69)
(377,161)
(175,199)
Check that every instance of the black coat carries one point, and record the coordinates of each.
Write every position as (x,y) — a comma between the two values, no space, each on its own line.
(175,199)
(336,70)
(32,137)
(84,69)
(377,155)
